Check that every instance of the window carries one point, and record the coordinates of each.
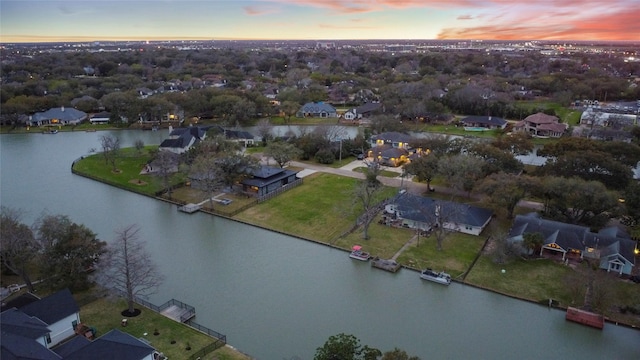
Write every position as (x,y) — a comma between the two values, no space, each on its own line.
(74,323)
(48,337)
(615,266)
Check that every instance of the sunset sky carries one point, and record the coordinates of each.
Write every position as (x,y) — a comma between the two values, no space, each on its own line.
(99,20)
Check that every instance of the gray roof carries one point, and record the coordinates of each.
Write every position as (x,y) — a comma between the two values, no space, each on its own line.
(52,308)
(392,137)
(485,120)
(423,209)
(114,345)
(571,236)
(266,175)
(61,113)
(368,107)
(20,333)
(317,107)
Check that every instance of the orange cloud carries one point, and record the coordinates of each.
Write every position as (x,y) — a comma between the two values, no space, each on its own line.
(464,17)
(619,23)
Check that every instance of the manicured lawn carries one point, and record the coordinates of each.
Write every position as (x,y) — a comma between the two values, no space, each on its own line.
(104,315)
(456,256)
(385,173)
(129,164)
(321,209)
(384,241)
(535,279)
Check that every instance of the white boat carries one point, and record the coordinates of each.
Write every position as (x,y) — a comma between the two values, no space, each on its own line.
(439,277)
(358,254)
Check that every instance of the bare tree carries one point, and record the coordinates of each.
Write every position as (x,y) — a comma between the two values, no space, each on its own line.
(166,164)
(264,129)
(206,175)
(366,194)
(17,244)
(129,267)
(110,148)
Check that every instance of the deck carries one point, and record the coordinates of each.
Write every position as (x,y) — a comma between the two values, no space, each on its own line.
(177,313)
(190,208)
(384,264)
(585,317)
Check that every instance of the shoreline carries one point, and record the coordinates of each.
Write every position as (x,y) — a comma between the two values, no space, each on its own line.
(208,212)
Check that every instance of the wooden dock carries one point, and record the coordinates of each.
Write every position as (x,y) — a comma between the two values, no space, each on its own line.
(585,317)
(178,314)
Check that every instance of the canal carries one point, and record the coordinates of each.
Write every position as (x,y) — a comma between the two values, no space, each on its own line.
(278,297)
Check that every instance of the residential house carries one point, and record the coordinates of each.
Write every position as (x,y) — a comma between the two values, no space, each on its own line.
(390,148)
(423,213)
(59,311)
(317,109)
(100,118)
(610,248)
(182,139)
(115,345)
(144,92)
(361,111)
(240,136)
(57,116)
(266,179)
(541,125)
(37,330)
(483,122)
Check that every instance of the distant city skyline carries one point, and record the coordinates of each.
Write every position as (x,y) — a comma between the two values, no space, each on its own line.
(139,20)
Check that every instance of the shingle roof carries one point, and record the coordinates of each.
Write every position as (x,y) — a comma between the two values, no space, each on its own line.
(423,209)
(61,113)
(114,345)
(541,118)
(53,307)
(392,136)
(20,334)
(488,120)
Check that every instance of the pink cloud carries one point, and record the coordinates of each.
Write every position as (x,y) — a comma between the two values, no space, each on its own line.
(622,25)
(464,17)
(255,11)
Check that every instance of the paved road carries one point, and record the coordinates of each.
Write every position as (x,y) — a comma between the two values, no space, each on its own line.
(398,182)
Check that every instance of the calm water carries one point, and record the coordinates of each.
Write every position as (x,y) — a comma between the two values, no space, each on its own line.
(276,297)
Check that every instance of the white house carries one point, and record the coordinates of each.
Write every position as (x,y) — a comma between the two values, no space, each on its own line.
(59,311)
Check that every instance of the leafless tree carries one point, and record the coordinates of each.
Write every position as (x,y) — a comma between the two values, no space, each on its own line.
(110,148)
(366,195)
(166,163)
(206,175)
(264,129)
(129,268)
(17,244)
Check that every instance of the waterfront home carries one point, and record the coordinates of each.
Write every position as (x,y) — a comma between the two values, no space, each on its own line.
(610,248)
(423,213)
(483,122)
(182,139)
(57,116)
(541,125)
(59,311)
(100,118)
(266,179)
(317,109)
(390,148)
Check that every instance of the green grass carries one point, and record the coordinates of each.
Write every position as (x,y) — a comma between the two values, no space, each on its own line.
(385,173)
(104,315)
(320,209)
(535,280)
(384,241)
(129,164)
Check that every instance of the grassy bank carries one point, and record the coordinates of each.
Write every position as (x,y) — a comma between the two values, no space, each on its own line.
(173,338)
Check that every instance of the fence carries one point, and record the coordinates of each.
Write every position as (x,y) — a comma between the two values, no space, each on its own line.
(278,191)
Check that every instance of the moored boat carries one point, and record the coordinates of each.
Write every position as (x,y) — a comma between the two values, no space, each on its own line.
(439,277)
(385,264)
(358,254)
(585,317)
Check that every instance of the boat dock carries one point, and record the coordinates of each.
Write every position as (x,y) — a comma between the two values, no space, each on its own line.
(384,264)
(178,313)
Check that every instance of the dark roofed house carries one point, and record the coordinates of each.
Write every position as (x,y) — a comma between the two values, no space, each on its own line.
(479,123)
(58,116)
(418,212)
(240,136)
(390,148)
(317,109)
(23,337)
(612,249)
(102,117)
(266,179)
(182,139)
(59,311)
(114,345)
